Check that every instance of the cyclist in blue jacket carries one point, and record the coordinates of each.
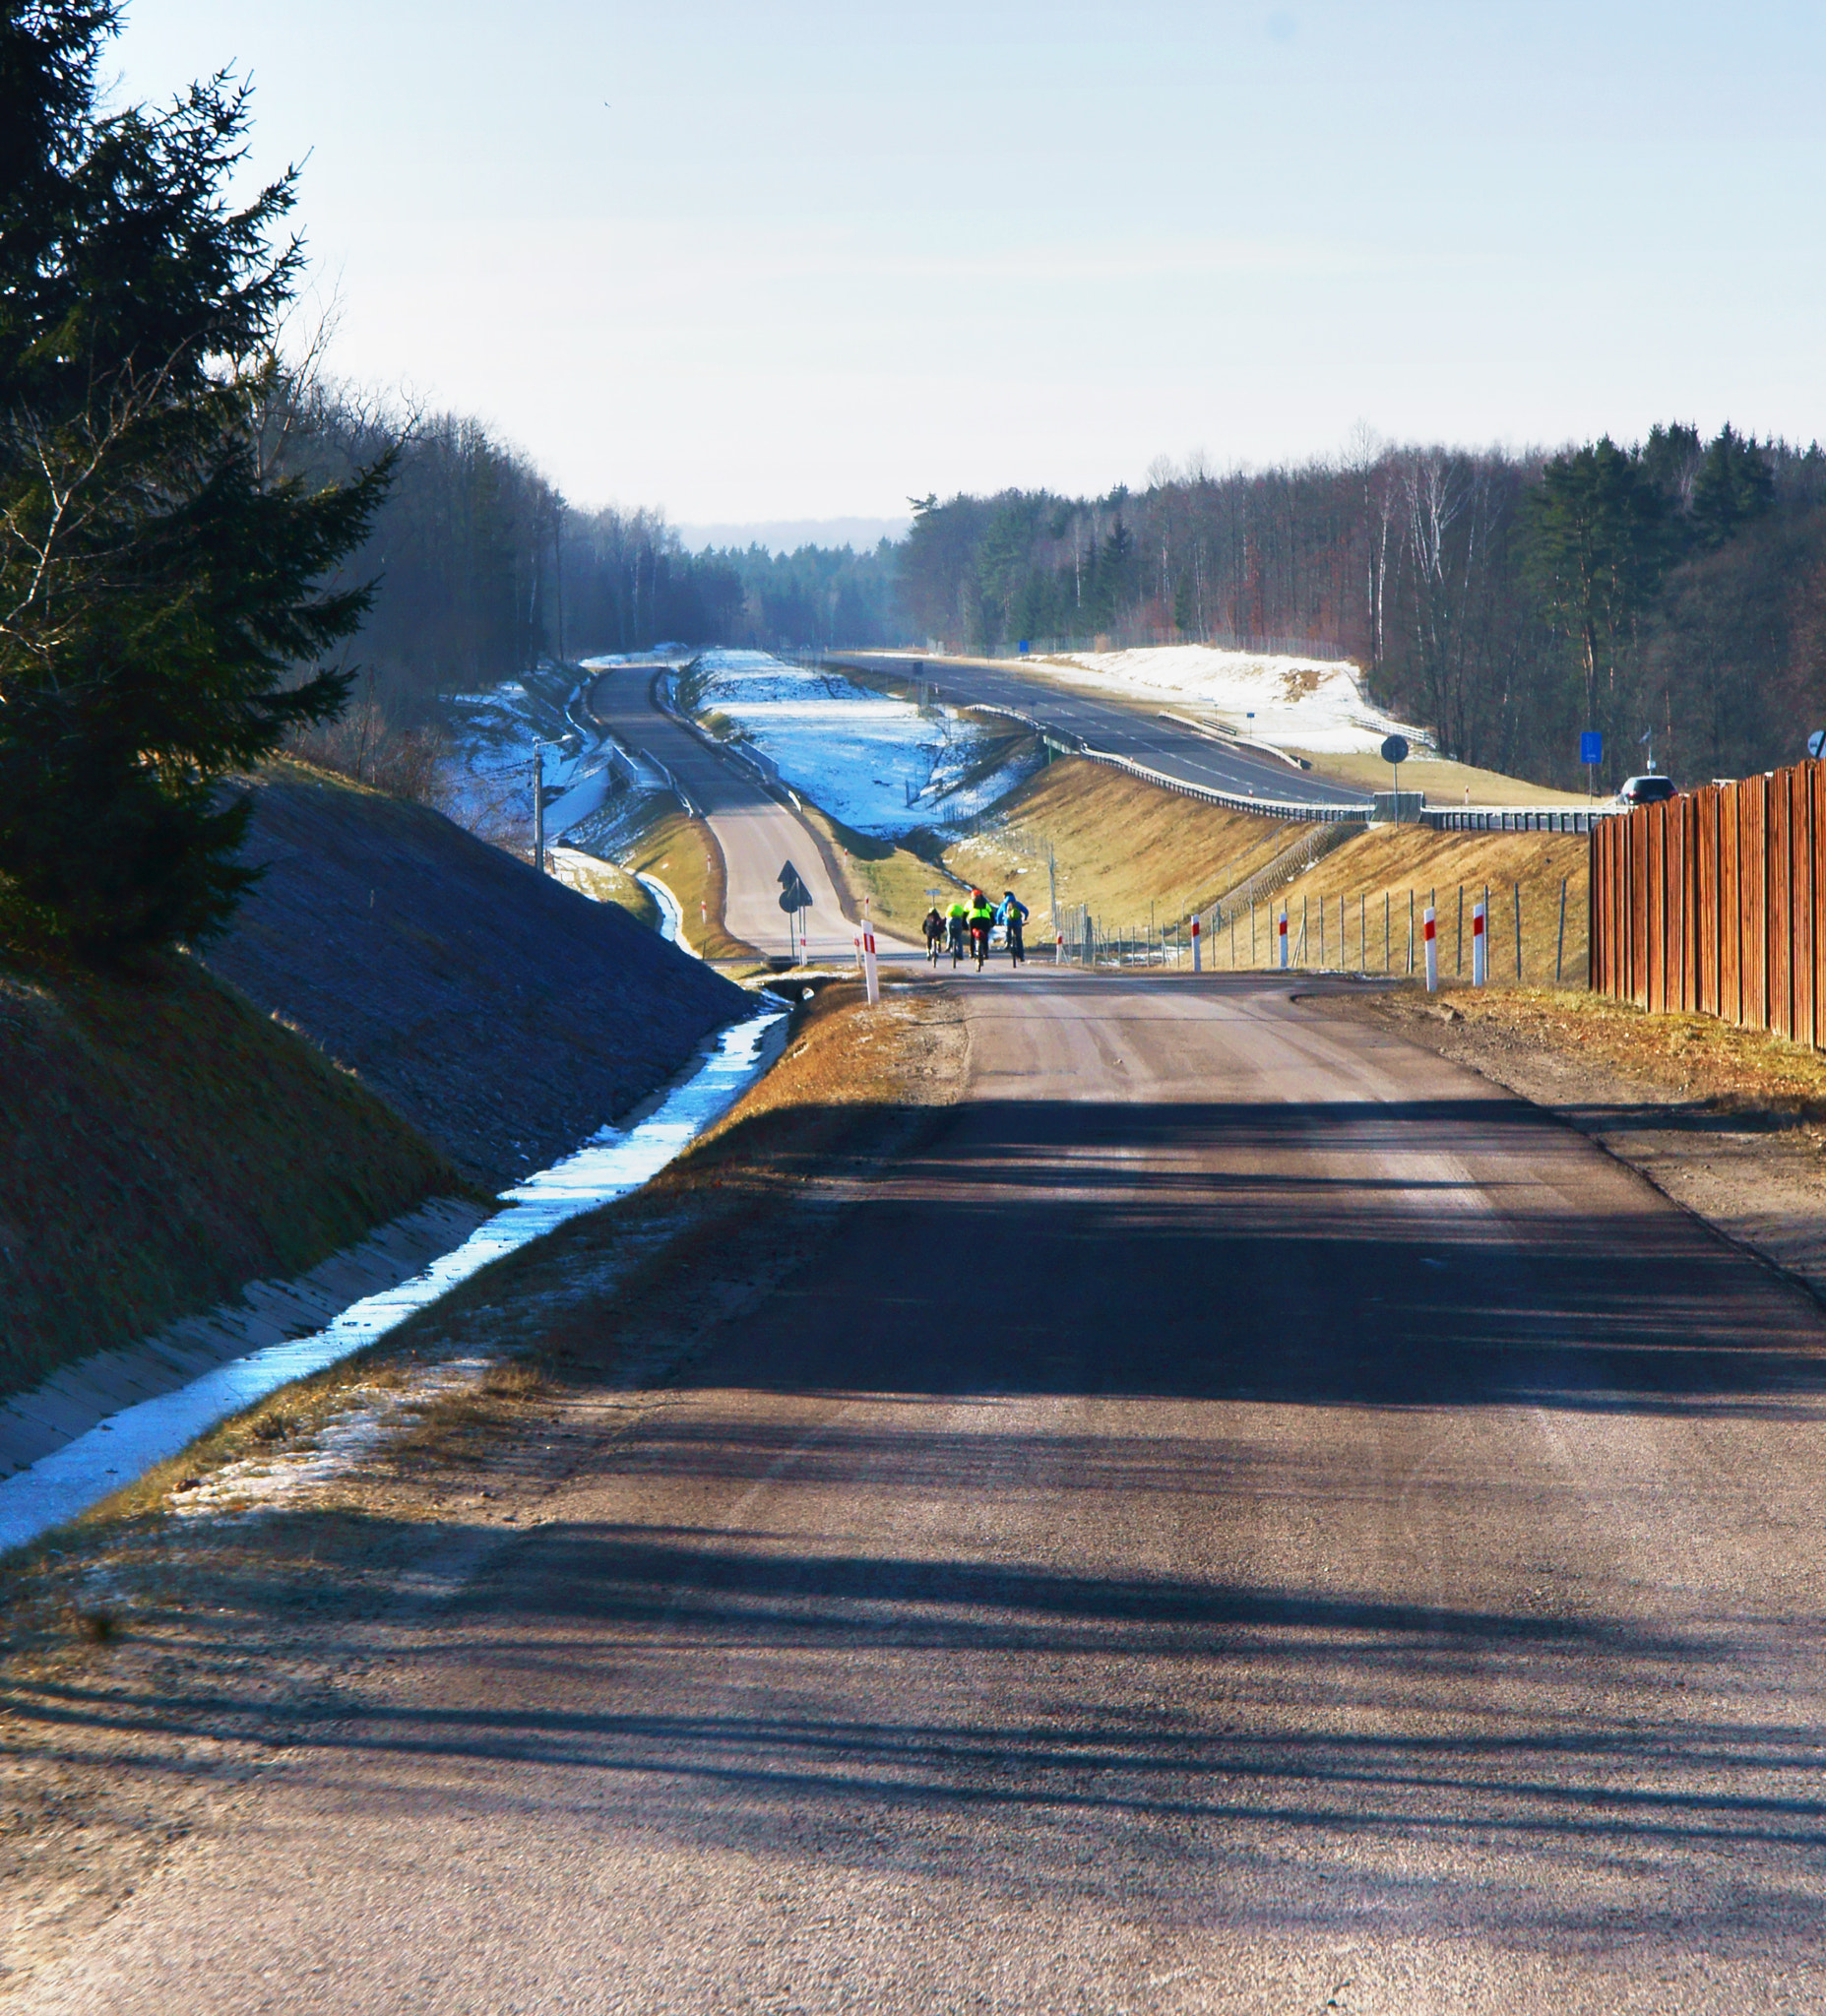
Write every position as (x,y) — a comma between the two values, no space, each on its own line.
(1011,913)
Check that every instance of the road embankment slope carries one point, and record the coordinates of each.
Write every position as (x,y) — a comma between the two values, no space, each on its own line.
(503,1014)
(165,1144)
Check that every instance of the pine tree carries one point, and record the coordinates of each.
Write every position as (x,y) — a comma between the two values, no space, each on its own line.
(1733,487)
(162,618)
(1596,545)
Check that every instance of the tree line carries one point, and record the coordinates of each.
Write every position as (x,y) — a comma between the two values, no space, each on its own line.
(1669,594)
(482,569)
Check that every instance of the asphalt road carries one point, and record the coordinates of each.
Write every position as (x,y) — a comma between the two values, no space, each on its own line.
(757,833)
(1248,1519)
(1118,728)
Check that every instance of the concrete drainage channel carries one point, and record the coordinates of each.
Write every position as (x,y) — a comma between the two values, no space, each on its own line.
(102,1456)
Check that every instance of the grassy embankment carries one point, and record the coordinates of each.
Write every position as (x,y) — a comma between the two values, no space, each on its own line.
(1119,844)
(684,854)
(1444,782)
(1122,846)
(604,882)
(1393,860)
(167,1144)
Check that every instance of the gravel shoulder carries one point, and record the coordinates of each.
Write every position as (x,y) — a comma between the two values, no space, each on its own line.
(1730,1123)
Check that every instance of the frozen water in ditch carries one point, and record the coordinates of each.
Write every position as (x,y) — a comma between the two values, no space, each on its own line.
(66,1482)
(876,762)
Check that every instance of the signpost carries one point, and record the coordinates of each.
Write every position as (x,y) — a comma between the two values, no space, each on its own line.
(1816,743)
(1395,755)
(1591,754)
(794,900)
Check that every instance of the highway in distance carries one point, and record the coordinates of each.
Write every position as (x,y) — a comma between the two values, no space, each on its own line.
(1135,729)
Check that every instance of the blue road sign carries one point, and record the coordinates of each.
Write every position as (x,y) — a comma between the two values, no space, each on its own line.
(1591,746)
(1021,647)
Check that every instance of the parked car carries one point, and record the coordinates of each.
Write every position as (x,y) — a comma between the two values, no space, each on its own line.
(1652,790)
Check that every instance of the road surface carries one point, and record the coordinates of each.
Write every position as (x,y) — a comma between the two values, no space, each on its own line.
(1131,728)
(1248,1519)
(757,832)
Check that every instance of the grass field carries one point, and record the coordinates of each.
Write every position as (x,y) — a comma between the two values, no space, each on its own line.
(1375,874)
(168,1143)
(1120,844)
(893,878)
(1444,782)
(684,854)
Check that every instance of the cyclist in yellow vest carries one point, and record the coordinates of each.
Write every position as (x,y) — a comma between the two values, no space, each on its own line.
(956,920)
(981,918)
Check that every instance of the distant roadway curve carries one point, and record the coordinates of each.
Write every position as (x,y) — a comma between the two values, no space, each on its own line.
(1128,729)
(756,833)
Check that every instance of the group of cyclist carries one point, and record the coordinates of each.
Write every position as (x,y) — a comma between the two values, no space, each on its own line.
(960,925)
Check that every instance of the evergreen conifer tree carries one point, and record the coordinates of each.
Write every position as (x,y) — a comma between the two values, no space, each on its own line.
(163,617)
(1596,545)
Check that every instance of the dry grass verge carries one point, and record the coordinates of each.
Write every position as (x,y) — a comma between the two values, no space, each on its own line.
(684,854)
(1444,782)
(1395,862)
(604,882)
(1120,844)
(1741,1071)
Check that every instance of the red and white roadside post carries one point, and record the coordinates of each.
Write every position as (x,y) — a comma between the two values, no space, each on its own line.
(1480,946)
(1282,928)
(871,978)
(1198,950)
(1432,950)
(1058,948)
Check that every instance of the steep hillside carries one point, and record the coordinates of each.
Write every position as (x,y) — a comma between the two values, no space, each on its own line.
(167,1143)
(504,1015)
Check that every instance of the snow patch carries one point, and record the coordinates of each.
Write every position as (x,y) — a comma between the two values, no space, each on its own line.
(1299,703)
(879,764)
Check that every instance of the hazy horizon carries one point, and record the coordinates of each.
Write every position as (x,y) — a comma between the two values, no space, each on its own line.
(750,266)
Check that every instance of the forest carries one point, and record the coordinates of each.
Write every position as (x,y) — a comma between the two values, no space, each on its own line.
(1670,594)
(480,567)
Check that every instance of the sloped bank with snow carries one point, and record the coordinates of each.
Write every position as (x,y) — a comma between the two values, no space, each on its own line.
(880,764)
(1299,703)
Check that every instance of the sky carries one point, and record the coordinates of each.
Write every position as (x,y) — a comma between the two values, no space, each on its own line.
(756,259)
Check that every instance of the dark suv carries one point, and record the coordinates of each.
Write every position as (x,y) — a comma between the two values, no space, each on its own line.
(1652,790)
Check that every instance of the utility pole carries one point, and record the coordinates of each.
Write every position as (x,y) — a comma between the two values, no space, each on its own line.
(557,555)
(539,807)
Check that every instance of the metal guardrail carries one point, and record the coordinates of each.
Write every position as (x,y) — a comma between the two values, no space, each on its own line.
(1513,818)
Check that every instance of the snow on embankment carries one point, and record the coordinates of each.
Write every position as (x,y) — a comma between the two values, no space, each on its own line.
(1299,703)
(506,1016)
(881,765)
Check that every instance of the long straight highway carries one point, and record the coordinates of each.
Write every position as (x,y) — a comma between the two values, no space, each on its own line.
(1135,729)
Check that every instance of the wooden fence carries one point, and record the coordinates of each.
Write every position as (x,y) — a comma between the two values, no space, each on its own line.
(1715,903)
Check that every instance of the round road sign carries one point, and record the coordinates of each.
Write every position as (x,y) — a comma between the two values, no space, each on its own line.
(1394,749)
